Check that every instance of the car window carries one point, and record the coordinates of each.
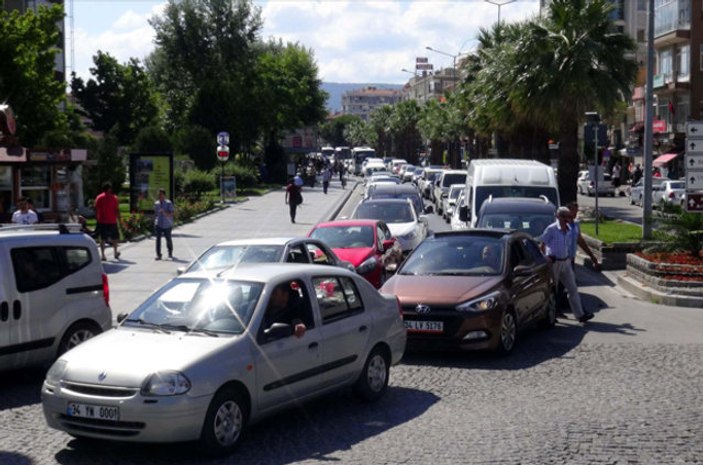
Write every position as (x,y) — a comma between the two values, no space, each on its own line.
(200,304)
(388,212)
(226,256)
(288,303)
(76,258)
(35,267)
(456,256)
(319,255)
(337,298)
(533,250)
(298,254)
(519,256)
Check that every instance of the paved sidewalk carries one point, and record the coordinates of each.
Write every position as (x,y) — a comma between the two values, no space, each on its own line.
(136,274)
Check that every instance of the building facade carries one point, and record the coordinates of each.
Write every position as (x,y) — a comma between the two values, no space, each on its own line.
(363,102)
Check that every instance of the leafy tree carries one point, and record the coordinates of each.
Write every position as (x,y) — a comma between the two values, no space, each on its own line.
(120,97)
(571,61)
(360,133)
(403,127)
(199,144)
(110,166)
(152,139)
(381,125)
(27,80)
(333,129)
(678,230)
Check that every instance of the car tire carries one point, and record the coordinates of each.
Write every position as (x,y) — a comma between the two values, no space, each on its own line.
(225,423)
(373,380)
(77,334)
(550,312)
(507,333)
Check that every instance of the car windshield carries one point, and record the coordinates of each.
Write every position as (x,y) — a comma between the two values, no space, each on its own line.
(226,256)
(453,178)
(483,192)
(199,305)
(533,224)
(345,237)
(456,256)
(388,212)
(454,193)
(677,185)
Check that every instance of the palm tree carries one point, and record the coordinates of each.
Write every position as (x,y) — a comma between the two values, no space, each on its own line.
(572,61)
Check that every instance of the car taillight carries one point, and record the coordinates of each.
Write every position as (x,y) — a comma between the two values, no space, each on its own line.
(400,307)
(672,195)
(106,290)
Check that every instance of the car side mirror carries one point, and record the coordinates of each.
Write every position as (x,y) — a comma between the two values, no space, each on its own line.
(278,331)
(522,270)
(464,213)
(180,270)
(387,244)
(429,209)
(121,317)
(392,267)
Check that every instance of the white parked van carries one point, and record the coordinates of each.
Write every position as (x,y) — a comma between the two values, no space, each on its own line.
(506,178)
(53,293)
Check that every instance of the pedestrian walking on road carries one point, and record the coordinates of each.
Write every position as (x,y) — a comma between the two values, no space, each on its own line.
(107,213)
(556,241)
(293,198)
(326,177)
(163,223)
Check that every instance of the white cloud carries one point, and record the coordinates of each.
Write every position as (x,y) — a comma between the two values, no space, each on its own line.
(353,41)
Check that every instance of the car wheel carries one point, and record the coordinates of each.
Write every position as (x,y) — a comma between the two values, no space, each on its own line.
(225,423)
(77,334)
(508,333)
(550,311)
(373,380)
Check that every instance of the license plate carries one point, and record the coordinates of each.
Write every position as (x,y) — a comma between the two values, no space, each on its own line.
(424,326)
(99,412)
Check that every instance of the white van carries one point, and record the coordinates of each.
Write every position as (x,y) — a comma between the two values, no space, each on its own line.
(506,178)
(53,293)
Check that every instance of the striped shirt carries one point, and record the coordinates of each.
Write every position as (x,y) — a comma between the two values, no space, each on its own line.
(557,242)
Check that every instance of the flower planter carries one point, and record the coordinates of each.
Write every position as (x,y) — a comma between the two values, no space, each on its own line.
(612,256)
(668,278)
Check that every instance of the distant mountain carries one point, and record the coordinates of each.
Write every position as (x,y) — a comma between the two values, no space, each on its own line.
(337,89)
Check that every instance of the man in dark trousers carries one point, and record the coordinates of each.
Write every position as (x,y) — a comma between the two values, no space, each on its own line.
(293,198)
(163,223)
(107,213)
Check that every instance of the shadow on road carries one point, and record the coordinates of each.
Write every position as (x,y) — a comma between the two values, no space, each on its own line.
(313,431)
(21,388)
(13,458)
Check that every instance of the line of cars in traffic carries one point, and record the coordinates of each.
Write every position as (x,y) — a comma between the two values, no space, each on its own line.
(209,353)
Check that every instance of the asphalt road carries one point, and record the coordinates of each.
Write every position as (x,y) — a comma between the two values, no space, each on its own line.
(625,389)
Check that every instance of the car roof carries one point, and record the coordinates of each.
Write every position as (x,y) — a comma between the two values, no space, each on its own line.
(391,201)
(360,222)
(264,241)
(395,188)
(496,233)
(263,272)
(517,205)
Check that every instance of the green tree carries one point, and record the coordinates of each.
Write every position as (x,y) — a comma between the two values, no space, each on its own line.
(119,97)
(152,139)
(403,127)
(109,167)
(360,133)
(27,81)
(381,125)
(572,60)
(199,144)
(333,129)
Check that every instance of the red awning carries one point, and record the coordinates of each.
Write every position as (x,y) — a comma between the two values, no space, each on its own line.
(664,159)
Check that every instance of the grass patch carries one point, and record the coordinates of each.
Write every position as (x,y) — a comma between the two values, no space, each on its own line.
(611,231)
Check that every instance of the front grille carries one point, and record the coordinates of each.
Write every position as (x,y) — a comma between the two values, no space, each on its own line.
(106,427)
(99,391)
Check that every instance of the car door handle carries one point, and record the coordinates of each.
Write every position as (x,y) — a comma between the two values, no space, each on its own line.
(313,345)
(16,309)
(4,311)
(362,328)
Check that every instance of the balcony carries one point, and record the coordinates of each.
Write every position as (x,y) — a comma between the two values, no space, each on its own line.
(672,23)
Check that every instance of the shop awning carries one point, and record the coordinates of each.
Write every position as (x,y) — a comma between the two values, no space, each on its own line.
(664,159)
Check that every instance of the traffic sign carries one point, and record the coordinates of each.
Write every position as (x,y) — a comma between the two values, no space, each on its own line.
(694,161)
(694,180)
(223,153)
(223,138)
(694,145)
(694,129)
(694,202)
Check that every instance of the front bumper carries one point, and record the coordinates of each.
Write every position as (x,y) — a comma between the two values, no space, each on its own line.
(462,330)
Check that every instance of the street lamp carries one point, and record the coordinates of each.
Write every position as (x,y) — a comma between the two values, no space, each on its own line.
(499,3)
(453,57)
(414,73)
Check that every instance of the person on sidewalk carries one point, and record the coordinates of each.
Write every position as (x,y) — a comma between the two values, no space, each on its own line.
(163,223)
(556,240)
(293,198)
(24,215)
(107,213)
(326,177)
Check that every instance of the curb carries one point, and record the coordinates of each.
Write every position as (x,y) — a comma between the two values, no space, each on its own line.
(646,293)
(342,201)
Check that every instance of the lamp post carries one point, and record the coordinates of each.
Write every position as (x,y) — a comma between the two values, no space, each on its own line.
(499,3)
(414,82)
(453,57)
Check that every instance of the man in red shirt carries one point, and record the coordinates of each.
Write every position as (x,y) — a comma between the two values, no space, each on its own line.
(107,212)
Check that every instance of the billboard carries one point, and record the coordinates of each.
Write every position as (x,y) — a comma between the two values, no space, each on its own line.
(149,172)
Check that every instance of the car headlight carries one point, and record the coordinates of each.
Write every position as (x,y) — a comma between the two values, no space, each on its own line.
(166,383)
(408,236)
(367,266)
(56,372)
(481,304)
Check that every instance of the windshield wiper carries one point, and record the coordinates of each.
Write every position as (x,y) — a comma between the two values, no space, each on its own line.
(148,324)
(188,329)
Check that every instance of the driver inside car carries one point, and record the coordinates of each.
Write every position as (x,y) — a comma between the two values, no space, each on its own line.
(286,306)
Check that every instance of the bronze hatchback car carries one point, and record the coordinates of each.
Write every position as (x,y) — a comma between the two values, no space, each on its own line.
(473,289)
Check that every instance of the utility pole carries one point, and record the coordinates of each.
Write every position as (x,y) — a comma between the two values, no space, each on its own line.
(648,118)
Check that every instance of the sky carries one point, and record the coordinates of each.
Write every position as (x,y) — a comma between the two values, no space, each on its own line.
(352,41)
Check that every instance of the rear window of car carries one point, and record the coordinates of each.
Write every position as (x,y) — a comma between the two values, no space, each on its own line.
(454,256)
(454,178)
(342,237)
(388,212)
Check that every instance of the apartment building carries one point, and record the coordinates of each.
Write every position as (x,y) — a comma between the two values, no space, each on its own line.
(362,102)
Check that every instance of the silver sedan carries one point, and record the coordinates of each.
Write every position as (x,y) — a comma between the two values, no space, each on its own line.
(209,353)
